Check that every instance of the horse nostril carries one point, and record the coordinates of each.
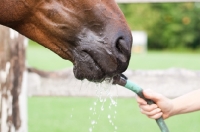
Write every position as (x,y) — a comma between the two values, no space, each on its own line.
(121,45)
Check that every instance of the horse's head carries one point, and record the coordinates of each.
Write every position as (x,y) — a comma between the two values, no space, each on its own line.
(93,34)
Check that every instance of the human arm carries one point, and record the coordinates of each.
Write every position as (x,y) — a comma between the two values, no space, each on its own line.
(168,107)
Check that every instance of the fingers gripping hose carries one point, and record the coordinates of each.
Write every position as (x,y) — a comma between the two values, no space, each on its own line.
(121,80)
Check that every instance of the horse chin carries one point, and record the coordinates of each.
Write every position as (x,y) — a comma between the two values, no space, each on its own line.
(88,70)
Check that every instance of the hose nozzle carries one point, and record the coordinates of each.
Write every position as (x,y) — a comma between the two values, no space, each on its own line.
(122,80)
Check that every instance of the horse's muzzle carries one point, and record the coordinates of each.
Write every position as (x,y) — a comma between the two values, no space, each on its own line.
(98,60)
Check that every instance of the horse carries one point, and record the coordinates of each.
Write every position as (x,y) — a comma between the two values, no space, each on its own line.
(92,34)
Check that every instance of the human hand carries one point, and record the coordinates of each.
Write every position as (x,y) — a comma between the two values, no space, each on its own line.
(162,107)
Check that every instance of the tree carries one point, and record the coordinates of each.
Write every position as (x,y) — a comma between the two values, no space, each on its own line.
(178,26)
(13,112)
(169,25)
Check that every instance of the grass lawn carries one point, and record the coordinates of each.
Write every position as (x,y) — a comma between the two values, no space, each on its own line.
(165,60)
(64,114)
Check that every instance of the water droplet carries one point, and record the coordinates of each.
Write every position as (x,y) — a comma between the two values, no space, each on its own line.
(90,129)
(109,107)
(115,127)
(90,108)
(113,102)
(101,100)
(95,103)
(102,108)
(109,116)
(93,122)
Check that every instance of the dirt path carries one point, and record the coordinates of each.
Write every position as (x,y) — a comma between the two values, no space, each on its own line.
(171,82)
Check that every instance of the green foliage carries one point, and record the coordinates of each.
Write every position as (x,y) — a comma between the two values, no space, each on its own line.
(169,25)
(139,16)
(178,26)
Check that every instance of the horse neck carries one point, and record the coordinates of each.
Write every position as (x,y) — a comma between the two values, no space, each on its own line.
(12,12)
(20,15)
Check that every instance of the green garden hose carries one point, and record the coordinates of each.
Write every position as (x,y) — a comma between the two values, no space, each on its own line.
(138,90)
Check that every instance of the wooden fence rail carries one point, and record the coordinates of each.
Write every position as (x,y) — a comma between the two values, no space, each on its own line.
(13,107)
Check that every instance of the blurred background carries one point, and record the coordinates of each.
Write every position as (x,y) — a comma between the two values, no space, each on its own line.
(166,43)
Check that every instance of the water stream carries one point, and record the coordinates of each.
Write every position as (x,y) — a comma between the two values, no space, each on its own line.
(102,110)
(104,105)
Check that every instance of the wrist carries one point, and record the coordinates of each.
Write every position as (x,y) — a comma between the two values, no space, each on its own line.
(169,109)
(173,110)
